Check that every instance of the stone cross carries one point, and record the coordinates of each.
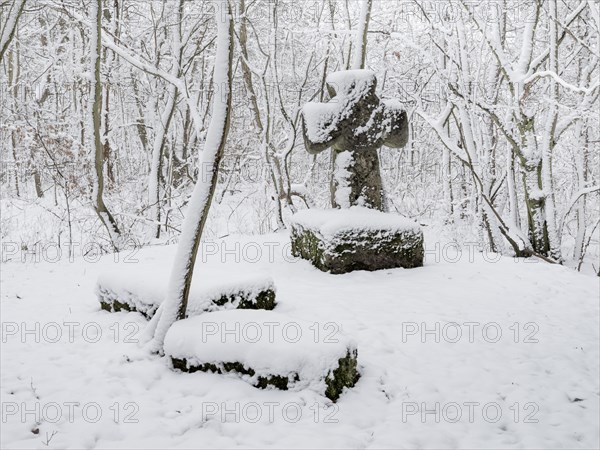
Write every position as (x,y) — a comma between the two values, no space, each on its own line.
(355,123)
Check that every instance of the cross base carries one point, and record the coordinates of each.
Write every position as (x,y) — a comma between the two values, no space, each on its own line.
(344,240)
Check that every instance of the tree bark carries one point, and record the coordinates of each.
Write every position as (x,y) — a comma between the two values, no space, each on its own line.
(175,305)
(96,118)
(10,25)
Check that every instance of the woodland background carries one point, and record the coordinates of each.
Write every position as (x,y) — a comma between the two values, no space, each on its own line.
(502,98)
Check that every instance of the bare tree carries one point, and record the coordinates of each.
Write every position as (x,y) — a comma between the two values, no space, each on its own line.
(175,305)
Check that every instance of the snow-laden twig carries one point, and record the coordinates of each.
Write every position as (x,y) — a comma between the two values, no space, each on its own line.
(127,55)
(573,202)
(563,83)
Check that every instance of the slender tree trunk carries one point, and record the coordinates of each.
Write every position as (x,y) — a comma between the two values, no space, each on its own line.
(154,198)
(13,77)
(175,306)
(160,137)
(549,141)
(262,130)
(360,49)
(9,27)
(96,118)
(581,163)
(513,205)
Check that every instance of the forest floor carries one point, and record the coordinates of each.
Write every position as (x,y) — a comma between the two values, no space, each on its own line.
(469,351)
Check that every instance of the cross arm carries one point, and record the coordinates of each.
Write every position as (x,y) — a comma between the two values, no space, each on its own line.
(395,124)
(320,126)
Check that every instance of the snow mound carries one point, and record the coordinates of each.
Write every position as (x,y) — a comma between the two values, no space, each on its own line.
(330,222)
(265,348)
(131,291)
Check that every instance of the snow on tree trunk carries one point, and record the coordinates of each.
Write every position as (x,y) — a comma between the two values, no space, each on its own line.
(10,26)
(95,111)
(175,305)
(157,154)
(154,200)
(548,141)
(360,48)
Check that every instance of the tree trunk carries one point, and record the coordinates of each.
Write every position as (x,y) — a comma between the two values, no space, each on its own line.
(535,199)
(175,305)
(10,25)
(360,49)
(95,119)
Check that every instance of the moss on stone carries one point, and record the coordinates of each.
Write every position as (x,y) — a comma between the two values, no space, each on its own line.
(277,381)
(265,299)
(115,305)
(345,375)
(359,250)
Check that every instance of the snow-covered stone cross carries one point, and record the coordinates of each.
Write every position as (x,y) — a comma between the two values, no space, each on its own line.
(357,234)
(355,123)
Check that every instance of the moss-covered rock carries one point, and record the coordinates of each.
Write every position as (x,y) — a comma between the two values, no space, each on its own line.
(255,346)
(244,300)
(344,248)
(112,301)
(344,376)
(114,305)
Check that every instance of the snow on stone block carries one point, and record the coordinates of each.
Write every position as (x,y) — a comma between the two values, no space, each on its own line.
(126,292)
(343,240)
(264,349)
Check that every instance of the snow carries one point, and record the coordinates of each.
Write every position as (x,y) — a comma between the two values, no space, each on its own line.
(537,194)
(94,55)
(348,82)
(343,162)
(270,343)
(393,104)
(330,222)
(322,120)
(145,288)
(379,310)
(10,23)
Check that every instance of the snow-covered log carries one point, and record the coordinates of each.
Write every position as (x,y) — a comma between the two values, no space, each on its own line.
(264,349)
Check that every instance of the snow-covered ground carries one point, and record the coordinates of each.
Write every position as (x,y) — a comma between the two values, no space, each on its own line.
(466,352)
